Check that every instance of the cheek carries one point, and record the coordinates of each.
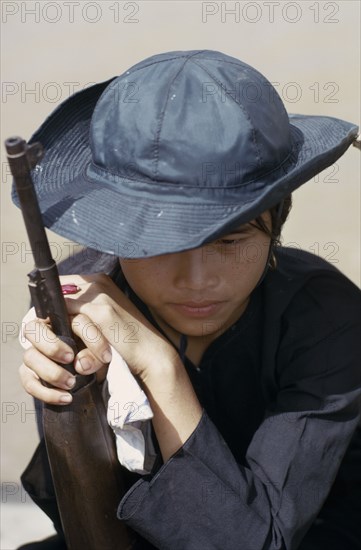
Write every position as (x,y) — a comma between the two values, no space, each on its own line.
(250,256)
(255,254)
(246,265)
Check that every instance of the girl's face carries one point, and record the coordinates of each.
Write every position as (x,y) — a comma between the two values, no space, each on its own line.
(203,291)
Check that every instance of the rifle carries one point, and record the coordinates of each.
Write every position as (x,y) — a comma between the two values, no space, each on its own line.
(80,444)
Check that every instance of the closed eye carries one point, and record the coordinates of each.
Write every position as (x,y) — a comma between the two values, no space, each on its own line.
(236,236)
(229,241)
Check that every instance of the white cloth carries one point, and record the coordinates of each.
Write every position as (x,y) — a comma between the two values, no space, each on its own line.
(128,411)
(129,416)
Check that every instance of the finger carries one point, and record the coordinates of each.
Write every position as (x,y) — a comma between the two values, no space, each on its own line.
(94,340)
(87,363)
(48,370)
(35,388)
(42,338)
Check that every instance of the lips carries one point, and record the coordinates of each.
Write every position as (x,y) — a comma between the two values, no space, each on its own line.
(198,309)
(199,305)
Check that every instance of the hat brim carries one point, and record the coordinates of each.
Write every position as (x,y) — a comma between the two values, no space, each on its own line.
(131,219)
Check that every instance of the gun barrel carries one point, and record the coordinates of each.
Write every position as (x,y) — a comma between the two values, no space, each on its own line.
(22,157)
(18,157)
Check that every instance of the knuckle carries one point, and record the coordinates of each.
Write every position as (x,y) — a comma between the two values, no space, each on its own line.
(49,337)
(106,299)
(28,385)
(29,355)
(78,320)
(56,348)
(91,332)
(31,330)
(53,377)
(105,312)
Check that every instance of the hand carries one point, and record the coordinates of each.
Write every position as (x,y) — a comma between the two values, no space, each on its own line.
(100,315)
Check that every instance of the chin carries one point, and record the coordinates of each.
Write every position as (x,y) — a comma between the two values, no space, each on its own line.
(197,328)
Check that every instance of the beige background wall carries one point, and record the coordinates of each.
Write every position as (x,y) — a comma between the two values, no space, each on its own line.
(310,49)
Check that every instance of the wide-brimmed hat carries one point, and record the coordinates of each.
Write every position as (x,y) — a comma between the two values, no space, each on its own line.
(174,153)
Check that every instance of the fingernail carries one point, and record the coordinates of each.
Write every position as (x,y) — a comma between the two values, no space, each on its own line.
(66,398)
(68,356)
(71,382)
(85,363)
(70,289)
(107,356)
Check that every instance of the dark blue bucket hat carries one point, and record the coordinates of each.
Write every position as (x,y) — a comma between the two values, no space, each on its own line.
(174,153)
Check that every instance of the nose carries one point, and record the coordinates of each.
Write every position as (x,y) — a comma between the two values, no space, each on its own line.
(194,272)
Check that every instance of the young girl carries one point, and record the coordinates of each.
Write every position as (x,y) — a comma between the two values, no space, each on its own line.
(180,173)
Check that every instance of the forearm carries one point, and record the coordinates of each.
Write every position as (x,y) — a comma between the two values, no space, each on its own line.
(176,408)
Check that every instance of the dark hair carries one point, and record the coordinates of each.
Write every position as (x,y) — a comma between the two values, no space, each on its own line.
(277,221)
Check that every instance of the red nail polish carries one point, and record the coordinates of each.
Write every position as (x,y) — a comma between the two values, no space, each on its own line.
(70,289)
